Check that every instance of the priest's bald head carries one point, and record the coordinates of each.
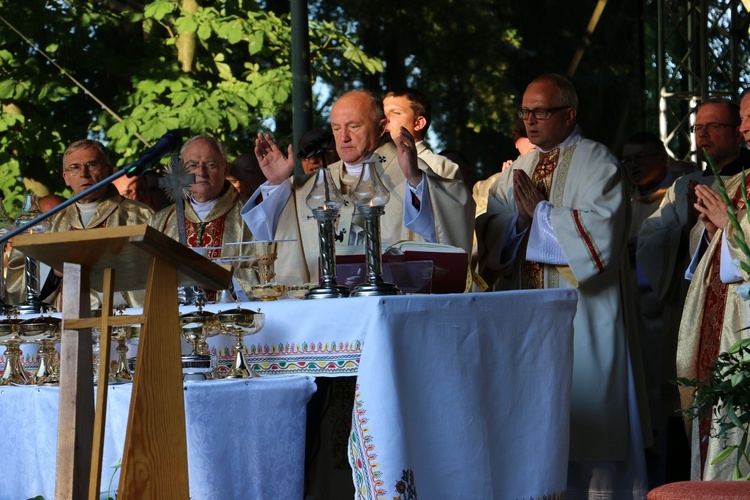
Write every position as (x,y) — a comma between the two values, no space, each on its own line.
(548,110)
(357,122)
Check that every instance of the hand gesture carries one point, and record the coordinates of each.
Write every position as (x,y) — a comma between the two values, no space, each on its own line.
(711,209)
(527,197)
(275,166)
(407,157)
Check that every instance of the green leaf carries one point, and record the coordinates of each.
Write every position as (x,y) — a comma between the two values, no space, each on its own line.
(7,88)
(723,455)
(737,379)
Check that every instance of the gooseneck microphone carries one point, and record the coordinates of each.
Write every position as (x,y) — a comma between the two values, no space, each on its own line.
(316,146)
(168,143)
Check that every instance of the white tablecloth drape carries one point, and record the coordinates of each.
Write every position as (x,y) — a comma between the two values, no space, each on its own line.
(467,400)
(246,438)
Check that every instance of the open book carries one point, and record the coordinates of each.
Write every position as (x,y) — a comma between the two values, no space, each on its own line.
(415,267)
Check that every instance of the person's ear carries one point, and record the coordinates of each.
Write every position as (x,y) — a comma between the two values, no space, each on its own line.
(420,123)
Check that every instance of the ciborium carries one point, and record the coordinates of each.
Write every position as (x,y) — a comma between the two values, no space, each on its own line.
(10,337)
(196,327)
(268,289)
(238,323)
(44,330)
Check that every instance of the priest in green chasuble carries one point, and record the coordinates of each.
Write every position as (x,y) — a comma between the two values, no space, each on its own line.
(212,211)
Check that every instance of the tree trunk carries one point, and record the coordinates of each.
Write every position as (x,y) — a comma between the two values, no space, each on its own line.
(186,41)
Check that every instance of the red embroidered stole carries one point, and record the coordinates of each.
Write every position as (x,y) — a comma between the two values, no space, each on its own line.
(709,338)
(207,234)
(532,273)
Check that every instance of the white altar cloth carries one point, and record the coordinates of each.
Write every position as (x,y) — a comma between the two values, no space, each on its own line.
(470,399)
(246,438)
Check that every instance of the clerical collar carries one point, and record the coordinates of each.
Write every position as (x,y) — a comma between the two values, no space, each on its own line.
(86,210)
(573,139)
(356,168)
(734,167)
(203,209)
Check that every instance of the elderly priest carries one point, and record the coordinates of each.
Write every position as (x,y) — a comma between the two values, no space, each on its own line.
(212,214)
(423,206)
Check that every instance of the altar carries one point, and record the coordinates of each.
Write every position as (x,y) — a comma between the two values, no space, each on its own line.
(457,396)
(246,438)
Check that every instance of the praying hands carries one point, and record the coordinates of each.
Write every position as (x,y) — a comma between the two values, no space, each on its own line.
(527,197)
(711,209)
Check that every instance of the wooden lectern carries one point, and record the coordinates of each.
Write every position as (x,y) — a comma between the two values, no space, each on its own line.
(154,463)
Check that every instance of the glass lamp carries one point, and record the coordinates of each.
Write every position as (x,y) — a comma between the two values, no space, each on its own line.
(325,201)
(370,197)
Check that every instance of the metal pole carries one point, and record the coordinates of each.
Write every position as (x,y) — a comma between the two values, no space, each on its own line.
(301,81)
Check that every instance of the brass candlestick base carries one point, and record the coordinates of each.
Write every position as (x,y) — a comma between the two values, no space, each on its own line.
(238,323)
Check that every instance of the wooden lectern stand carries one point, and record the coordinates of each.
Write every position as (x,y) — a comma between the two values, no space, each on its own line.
(154,463)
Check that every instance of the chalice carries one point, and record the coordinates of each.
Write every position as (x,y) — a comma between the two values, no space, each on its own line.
(238,323)
(44,330)
(267,290)
(11,339)
(196,327)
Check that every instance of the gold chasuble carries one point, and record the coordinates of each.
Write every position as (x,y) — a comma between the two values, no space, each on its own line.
(712,321)
(112,210)
(222,225)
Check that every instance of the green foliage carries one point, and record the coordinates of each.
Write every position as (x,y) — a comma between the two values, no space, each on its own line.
(725,397)
(239,76)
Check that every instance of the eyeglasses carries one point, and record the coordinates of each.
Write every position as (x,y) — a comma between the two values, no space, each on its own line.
(194,166)
(636,160)
(711,127)
(77,168)
(539,113)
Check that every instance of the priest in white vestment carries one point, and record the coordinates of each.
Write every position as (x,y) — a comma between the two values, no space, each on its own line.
(423,206)
(558,218)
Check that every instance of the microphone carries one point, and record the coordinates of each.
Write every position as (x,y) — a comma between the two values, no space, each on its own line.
(316,146)
(168,143)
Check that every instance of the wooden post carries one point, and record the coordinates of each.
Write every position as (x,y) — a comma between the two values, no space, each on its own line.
(76,412)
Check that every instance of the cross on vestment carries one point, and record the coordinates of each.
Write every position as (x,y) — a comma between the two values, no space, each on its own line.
(173,184)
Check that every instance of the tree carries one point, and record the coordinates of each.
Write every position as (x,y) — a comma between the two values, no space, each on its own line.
(199,67)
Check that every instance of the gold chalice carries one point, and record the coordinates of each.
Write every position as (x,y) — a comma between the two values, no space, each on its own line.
(196,327)
(238,323)
(268,291)
(44,330)
(11,339)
